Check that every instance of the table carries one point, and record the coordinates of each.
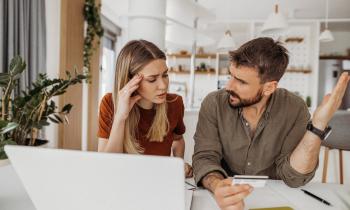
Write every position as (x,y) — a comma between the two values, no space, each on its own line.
(276,193)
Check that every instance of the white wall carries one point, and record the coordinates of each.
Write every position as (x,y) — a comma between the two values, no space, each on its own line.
(339,46)
(53,9)
(326,79)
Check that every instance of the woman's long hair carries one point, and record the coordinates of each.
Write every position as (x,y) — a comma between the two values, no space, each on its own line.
(134,56)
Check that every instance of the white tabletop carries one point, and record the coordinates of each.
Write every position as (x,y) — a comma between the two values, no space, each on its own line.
(276,193)
(12,193)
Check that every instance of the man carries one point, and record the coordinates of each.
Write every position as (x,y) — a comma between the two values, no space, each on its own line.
(254,128)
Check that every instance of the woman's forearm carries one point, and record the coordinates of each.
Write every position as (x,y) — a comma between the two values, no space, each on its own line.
(116,137)
(178,148)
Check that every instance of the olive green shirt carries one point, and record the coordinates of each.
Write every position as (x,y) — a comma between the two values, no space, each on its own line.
(224,141)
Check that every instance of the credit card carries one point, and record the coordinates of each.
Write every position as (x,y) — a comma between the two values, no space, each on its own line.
(254,181)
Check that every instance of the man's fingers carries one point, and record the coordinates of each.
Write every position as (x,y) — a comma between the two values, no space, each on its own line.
(238,206)
(226,191)
(325,99)
(340,88)
(236,198)
(226,182)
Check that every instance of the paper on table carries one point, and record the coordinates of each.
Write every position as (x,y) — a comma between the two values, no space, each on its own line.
(265,197)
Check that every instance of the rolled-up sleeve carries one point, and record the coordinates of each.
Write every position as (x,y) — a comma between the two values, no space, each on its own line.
(283,168)
(208,149)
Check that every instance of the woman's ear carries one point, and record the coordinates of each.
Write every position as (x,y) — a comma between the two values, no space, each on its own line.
(270,87)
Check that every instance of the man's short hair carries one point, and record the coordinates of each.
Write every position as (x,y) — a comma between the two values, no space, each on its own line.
(269,57)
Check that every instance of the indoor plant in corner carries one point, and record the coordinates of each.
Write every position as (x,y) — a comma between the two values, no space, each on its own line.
(23,115)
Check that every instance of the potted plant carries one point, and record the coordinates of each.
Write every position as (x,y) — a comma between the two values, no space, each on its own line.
(24,114)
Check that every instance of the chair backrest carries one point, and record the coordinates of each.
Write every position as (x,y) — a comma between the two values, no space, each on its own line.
(340,136)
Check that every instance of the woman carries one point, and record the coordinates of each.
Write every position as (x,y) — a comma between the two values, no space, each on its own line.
(140,117)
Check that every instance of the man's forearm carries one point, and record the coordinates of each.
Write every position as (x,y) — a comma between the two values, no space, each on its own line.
(211,180)
(305,156)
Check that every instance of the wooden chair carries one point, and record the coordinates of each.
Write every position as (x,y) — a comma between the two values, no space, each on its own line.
(339,139)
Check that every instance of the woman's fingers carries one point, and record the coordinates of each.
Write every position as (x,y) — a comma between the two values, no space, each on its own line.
(127,91)
(134,99)
(132,90)
(131,86)
(134,81)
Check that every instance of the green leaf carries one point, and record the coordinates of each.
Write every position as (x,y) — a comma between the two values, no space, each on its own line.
(66,120)
(59,93)
(9,127)
(2,149)
(4,77)
(58,118)
(53,120)
(68,74)
(3,123)
(2,154)
(43,123)
(66,109)
(17,66)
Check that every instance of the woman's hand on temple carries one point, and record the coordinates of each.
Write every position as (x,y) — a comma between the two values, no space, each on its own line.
(125,99)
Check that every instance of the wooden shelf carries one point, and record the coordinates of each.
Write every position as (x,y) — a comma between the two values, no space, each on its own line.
(189,55)
(196,72)
(304,71)
(335,57)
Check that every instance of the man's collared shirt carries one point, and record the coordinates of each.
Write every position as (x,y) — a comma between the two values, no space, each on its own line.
(224,136)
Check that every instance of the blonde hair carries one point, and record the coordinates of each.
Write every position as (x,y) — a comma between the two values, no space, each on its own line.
(132,58)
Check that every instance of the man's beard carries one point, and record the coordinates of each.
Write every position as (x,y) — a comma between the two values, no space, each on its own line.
(244,102)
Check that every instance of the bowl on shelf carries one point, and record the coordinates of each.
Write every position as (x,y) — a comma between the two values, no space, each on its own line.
(183,52)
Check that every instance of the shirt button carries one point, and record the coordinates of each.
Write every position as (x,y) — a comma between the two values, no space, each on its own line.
(248,163)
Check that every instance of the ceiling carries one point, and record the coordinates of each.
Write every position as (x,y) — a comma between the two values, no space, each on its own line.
(259,9)
(226,14)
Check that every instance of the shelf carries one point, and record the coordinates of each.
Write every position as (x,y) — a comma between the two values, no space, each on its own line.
(303,71)
(189,55)
(196,72)
(335,57)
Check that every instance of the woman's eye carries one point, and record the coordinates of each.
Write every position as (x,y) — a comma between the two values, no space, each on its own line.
(165,75)
(151,81)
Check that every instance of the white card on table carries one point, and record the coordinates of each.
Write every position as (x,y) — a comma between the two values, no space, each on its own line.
(254,181)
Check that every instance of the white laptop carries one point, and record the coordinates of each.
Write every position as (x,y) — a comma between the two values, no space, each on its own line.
(74,180)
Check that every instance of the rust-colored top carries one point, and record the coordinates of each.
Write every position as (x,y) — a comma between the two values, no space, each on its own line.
(175,117)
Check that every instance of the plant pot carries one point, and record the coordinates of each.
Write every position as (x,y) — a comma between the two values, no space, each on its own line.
(38,143)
